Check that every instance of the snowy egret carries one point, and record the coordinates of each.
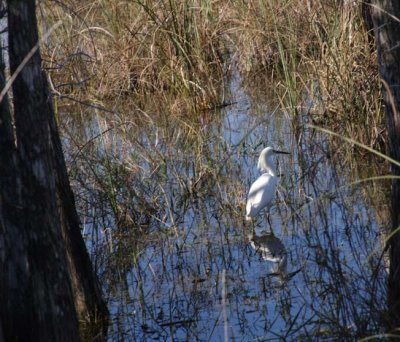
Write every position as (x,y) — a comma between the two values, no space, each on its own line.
(262,191)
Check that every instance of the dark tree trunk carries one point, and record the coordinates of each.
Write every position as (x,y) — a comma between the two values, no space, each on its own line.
(387,37)
(46,275)
(36,293)
(89,302)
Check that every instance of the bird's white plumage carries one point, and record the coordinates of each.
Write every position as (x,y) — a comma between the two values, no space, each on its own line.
(265,161)
(261,193)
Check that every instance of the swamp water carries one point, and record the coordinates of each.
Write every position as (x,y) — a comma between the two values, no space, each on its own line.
(196,270)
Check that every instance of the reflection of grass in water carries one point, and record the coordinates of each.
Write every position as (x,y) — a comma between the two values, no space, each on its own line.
(161,191)
(361,242)
(179,195)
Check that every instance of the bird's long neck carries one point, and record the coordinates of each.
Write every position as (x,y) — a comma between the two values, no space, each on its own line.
(271,167)
(266,164)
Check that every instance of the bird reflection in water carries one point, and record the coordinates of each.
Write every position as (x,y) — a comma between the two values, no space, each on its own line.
(271,249)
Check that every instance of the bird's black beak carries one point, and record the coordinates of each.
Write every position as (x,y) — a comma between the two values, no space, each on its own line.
(280,152)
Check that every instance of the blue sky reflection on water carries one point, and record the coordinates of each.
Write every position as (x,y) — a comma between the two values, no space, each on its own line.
(197,276)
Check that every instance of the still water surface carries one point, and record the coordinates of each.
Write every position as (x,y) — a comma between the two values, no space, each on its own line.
(199,271)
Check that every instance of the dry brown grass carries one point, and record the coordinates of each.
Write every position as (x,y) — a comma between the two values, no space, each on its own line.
(134,81)
(110,51)
(318,58)
(154,68)
(177,55)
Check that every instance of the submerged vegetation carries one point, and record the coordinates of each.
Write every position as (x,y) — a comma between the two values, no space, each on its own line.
(164,107)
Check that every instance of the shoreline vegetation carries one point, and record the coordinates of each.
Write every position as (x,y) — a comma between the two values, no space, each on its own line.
(316,58)
(138,90)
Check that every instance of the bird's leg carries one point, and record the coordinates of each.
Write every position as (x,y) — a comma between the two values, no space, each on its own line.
(253,226)
(269,222)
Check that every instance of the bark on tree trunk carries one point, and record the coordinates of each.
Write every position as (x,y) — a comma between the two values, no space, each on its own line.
(41,249)
(385,16)
(37,298)
(89,302)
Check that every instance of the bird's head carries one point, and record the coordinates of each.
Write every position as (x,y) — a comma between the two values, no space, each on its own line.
(265,162)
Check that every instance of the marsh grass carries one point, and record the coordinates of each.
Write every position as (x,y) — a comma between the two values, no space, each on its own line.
(348,77)
(111,51)
(318,58)
(161,162)
(165,210)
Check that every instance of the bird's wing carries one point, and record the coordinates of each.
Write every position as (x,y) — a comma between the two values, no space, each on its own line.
(261,193)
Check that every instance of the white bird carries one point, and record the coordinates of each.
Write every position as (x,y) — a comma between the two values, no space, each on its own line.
(262,191)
